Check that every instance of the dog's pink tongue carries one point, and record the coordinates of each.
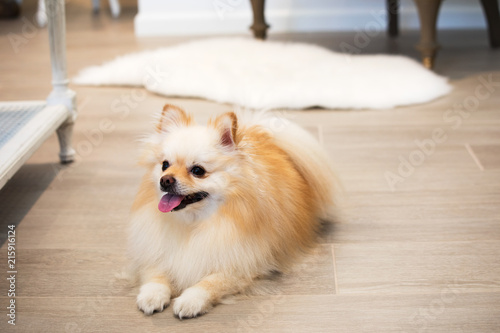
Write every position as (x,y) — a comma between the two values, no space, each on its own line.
(169,202)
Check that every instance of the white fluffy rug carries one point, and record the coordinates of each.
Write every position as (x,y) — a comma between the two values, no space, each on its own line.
(264,75)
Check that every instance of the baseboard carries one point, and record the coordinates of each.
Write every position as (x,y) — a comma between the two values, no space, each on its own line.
(211,22)
(201,23)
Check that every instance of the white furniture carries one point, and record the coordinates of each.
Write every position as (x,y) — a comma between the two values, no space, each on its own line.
(25,125)
(41,15)
(114,6)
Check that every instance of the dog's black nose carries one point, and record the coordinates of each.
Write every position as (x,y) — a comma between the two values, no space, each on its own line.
(167,183)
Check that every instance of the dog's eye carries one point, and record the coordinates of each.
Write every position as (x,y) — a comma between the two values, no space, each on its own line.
(165,165)
(198,171)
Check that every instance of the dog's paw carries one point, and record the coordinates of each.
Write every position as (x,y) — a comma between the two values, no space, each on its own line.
(153,297)
(193,302)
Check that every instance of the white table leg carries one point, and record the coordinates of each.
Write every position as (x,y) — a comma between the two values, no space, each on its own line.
(41,14)
(115,8)
(61,94)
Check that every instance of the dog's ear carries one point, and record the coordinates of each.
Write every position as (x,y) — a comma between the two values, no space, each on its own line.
(227,125)
(172,116)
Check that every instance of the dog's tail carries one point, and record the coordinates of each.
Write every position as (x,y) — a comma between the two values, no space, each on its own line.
(308,155)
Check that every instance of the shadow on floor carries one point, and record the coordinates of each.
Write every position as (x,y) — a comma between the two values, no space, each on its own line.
(22,191)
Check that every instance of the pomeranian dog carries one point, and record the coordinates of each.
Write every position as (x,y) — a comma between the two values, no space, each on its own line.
(221,205)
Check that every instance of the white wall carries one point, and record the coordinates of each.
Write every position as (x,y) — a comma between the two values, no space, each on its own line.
(205,17)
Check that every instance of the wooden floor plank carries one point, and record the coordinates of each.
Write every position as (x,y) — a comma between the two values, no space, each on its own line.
(488,154)
(449,311)
(421,256)
(418,267)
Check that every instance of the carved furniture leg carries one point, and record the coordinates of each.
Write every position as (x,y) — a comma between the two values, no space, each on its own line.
(392,14)
(490,8)
(60,93)
(428,12)
(259,25)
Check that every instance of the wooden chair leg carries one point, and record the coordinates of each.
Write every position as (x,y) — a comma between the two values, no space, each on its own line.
(259,25)
(392,14)
(490,8)
(428,12)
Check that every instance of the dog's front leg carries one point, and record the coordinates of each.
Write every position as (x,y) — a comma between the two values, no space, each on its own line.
(198,299)
(154,294)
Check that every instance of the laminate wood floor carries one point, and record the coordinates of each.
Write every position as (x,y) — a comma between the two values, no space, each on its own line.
(416,247)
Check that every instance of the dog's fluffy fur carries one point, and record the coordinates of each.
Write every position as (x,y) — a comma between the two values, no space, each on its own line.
(265,184)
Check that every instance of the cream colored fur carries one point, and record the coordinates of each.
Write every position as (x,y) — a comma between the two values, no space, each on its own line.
(260,215)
